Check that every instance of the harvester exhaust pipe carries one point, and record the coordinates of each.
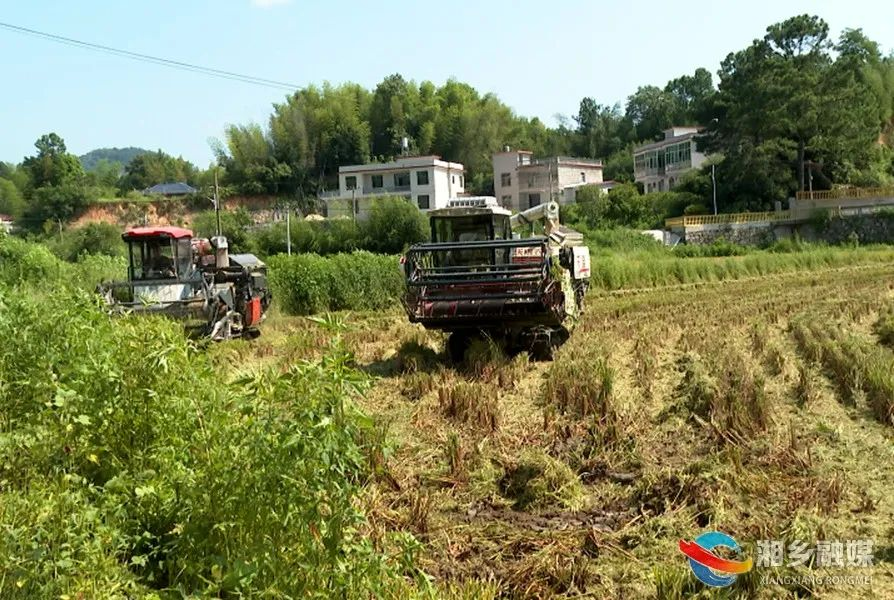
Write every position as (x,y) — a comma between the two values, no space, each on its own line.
(222,251)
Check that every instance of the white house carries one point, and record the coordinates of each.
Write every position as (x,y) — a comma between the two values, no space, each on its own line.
(6,223)
(520,181)
(426,181)
(659,166)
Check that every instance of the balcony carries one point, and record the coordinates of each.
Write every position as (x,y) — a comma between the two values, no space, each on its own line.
(679,166)
(648,172)
(399,190)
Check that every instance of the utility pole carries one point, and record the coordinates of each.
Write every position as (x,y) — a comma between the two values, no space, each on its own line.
(288,229)
(217,201)
(714,187)
(549,175)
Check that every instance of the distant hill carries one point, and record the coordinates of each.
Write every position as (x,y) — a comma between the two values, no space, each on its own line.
(121,155)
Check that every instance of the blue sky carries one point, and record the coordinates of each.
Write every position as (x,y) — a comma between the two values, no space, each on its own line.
(539,57)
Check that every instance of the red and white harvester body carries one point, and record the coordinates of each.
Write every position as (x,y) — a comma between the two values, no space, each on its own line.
(172,273)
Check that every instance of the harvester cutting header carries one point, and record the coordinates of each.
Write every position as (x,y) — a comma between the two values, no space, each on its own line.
(476,278)
(172,273)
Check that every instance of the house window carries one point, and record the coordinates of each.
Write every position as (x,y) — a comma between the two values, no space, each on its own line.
(421,178)
(351,182)
(506,179)
(453,179)
(462,181)
(422,201)
(583,177)
(533,200)
(377,181)
(402,179)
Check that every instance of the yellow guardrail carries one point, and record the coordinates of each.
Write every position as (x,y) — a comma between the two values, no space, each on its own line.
(728,218)
(846,193)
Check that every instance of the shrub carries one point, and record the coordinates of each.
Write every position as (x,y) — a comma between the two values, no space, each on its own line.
(308,283)
(21,261)
(720,247)
(233,224)
(93,238)
(392,225)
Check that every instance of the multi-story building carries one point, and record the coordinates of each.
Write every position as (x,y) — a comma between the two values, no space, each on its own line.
(659,166)
(426,181)
(520,181)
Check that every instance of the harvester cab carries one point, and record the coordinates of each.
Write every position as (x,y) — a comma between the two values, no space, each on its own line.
(196,280)
(477,278)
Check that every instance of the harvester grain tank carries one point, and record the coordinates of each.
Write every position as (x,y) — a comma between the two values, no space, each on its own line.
(476,278)
(170,272)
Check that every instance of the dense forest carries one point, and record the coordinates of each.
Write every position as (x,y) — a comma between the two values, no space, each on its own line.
(795,103)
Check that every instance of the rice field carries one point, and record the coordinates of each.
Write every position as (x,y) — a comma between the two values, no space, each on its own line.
(762,408)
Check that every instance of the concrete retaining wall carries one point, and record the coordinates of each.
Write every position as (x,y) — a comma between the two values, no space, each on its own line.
(745,234)
(877,228)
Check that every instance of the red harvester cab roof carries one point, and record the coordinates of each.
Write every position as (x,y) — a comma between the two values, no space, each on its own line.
(172,232)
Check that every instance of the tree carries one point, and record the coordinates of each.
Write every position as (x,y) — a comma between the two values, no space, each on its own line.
(393,107)
(105,173)
(602,130)
(11,201)
(683,101)
(152,168)
(783,101)
(624,206)
(651,110)
(52,165)
(58,202)
(690,94)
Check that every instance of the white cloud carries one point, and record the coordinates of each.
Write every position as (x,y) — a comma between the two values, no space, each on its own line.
(269,3)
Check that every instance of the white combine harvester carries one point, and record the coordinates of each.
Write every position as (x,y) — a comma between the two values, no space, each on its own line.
(475,278)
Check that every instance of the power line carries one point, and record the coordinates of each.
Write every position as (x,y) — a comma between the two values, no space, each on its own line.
(173,64)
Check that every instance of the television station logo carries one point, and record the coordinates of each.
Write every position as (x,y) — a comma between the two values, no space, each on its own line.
(709,567)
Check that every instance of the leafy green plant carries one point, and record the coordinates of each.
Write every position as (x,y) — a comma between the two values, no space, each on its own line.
(309,283)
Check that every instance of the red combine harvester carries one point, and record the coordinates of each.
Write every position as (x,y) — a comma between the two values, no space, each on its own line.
(217,294)
(476,279)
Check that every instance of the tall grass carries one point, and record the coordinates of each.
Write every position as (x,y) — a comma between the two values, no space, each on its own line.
(641,271)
